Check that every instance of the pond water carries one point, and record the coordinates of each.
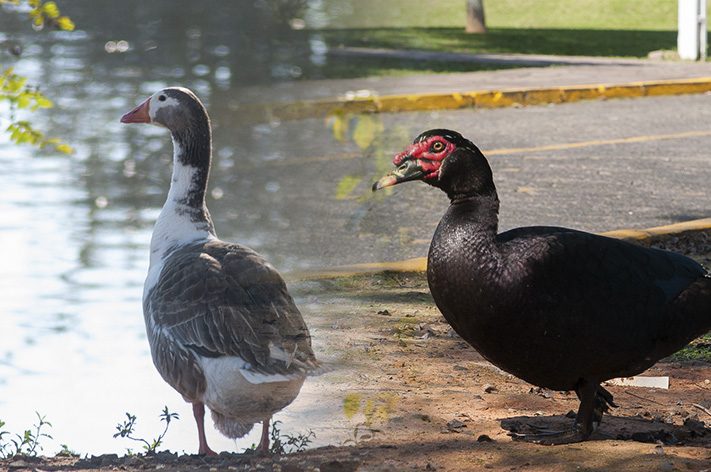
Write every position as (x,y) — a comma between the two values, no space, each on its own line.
(75,229)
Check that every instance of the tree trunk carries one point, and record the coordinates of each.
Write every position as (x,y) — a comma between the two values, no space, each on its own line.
(475,17)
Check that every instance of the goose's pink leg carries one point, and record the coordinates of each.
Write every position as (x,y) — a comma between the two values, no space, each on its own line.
(263,447)
(199,413)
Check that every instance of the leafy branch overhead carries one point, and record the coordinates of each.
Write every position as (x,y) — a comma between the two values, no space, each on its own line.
(14,89)
(19,95)
(44,14)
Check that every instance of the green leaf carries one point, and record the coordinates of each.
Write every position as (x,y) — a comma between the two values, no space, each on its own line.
(65,23)
(64,148)
(43,102)
(23,101)
(22,132)
(50,10)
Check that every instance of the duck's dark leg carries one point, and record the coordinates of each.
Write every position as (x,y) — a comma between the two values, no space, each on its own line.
(587,393)
(603,402)
(199,414)
(263,447)
(587,413)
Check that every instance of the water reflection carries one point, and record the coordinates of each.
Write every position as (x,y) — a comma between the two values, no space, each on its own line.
(75,230)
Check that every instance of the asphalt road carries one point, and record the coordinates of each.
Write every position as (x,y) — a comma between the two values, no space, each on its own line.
(597,165)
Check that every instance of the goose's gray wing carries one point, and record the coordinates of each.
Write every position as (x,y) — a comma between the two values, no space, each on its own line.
(217,299)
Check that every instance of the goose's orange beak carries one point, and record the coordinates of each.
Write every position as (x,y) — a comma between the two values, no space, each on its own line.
(138,114)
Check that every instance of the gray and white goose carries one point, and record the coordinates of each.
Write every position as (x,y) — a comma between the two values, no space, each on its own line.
(223,329)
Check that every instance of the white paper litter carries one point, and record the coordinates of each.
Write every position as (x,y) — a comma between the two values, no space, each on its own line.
(638,381)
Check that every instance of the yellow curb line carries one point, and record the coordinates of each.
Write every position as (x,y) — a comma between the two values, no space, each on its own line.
(652,234)
(474,99)
(419,264)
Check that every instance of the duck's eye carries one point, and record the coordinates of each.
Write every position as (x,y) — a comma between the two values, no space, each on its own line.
(161,98)
(437,146)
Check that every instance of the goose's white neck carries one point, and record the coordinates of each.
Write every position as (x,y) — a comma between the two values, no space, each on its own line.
(179,223)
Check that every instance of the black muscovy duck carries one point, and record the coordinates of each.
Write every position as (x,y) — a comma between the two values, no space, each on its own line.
(558,308)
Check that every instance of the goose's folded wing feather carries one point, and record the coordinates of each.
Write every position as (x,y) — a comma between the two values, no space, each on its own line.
(219,299)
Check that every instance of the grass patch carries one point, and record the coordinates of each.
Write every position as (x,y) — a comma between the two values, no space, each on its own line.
(603,28)
(698,350)
(586,14)
(575,42)
(586,42)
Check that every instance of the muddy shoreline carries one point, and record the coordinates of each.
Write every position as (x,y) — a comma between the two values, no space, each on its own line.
(417,397)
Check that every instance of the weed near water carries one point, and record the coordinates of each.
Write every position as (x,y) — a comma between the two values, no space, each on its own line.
(126,430)
(288,443)
(281,443)
(26,444)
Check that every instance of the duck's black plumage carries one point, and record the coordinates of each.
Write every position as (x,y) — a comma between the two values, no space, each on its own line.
(559,308)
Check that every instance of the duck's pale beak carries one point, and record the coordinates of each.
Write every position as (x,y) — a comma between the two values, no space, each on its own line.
(138,114)
(410,169)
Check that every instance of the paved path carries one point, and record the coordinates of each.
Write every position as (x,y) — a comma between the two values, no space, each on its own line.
(586,71)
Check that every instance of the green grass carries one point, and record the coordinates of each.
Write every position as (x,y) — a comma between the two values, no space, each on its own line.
(657,15)
(581,42)
(609,28)
(698,350)
(587,42)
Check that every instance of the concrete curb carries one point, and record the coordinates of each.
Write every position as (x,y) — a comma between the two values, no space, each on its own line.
(474,99)
(419,264)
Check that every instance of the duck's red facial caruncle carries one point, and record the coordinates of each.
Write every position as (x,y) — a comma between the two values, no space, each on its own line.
(420,161)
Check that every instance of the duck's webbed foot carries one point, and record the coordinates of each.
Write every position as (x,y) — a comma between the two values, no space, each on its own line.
(552,437)
(594,402)
(603,403)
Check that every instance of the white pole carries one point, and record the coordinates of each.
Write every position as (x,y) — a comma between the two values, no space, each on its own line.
(691,41)
(702,30)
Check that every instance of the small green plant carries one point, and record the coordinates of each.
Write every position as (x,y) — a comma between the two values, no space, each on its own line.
(26,444)
(125,430)
(66,451)
(287,443)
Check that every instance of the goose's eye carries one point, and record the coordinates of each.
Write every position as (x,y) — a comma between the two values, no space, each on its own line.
(161,98)
(437,146)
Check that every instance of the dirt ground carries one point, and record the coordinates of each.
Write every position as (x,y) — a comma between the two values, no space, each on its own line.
(419,398)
